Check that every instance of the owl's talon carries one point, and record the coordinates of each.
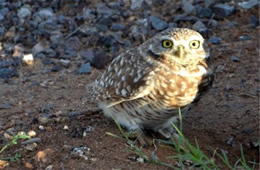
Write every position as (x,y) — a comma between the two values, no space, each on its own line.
(141,138)
(167,132)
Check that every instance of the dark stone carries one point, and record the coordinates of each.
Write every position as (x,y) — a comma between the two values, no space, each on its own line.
(3,13)
(223,10)
(73,43)
(84,69)
(203,12)
(49,53)
(179,18)
(56,68)
(6,73)
(244,37)
(247,130)
(248,4)
(234,58)
(87,54)
(10,62)
(100,60)
(2,31)
(117,27)
(103,10)
(88,14)
(75,113)
(230,141)
(107,41)
(158,23)
(214,40)
(254,21)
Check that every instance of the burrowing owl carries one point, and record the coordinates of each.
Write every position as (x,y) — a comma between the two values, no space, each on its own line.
(144,86)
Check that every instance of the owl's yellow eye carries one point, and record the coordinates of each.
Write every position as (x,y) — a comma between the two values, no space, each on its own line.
(194,44)
(167,43)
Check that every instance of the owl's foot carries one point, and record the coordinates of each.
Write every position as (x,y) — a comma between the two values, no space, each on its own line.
(167,132)
(141,138)
(171,133)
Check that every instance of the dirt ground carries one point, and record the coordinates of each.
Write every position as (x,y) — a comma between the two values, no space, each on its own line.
(225,118)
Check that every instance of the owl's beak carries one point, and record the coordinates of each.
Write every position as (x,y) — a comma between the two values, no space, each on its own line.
(179,51)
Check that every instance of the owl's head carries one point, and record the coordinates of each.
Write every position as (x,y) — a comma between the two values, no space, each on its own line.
(179,45)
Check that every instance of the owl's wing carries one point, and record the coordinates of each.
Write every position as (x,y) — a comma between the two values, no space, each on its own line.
(124,79)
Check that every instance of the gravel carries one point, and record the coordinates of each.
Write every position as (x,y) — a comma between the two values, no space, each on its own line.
(223,10)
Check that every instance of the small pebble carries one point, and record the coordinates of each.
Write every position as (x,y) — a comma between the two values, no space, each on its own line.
(84,69)
(244,37)
(247,130)
(230,141)
(31,133)
(41,127)
(24,12)
(32,140)
(28,59)
(234,58)
(223,10)
(158,23)
(248,4)
(28,165)
(215,40)
(66,127)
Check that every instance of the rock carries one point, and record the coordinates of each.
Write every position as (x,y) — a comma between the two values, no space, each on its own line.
(208,3)
(107,40)
(223,10)
(45,155)
(24,12)
(6,73)
(247,130)
(73,43)
(103,10)
(136,4)
(32,140)
(198,26)
(82,151)
(31,133)
(38,48)
(149,2)
(254,22)
(203,12)
(179,18)
(84,69)
(103,23)
(244,37)
(50,53)
(46,13)
(75,113)
(230,141)
(3,164)
(28,165)
(87,54)
(2,30)
(187,7)
(3,13)
(88,14)
(248,4)
(214,40)
(10,62)
(117,27)
(158,23)
(100,60)
(56,68)
(234,58)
